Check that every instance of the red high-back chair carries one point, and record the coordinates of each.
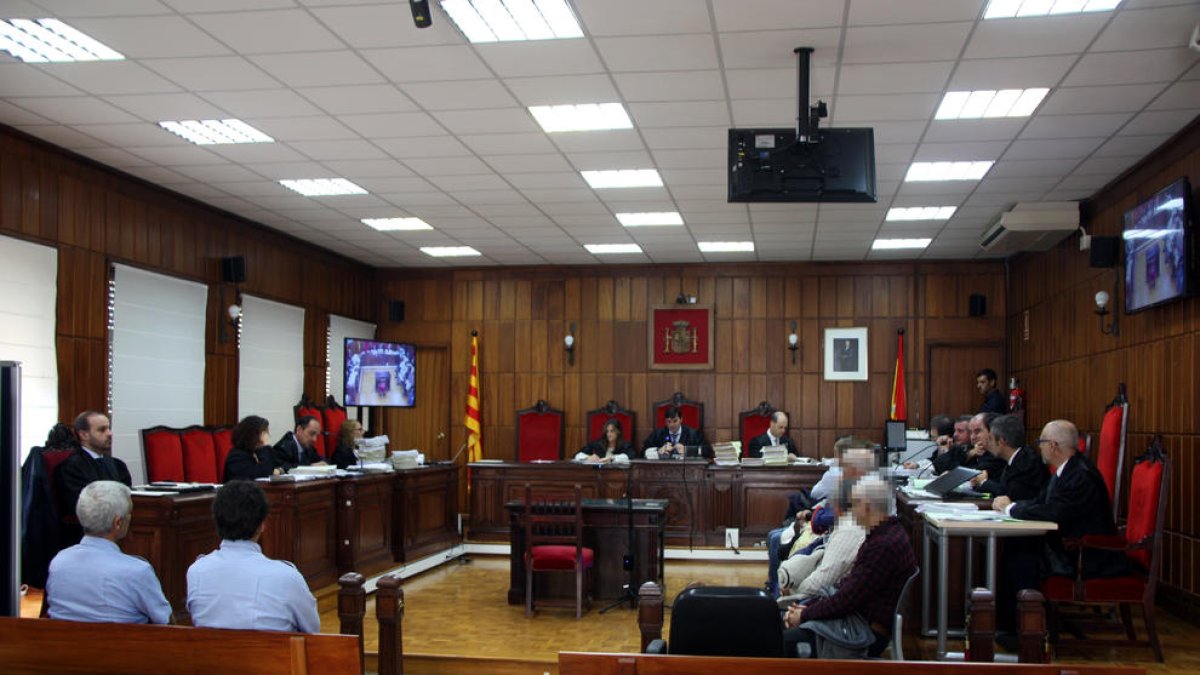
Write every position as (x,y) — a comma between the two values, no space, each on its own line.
(539,433)
(333,417)
(199,455)
(1110,457)
(691,412)
(162,454)
(611,411)
(223,443)
(753,423)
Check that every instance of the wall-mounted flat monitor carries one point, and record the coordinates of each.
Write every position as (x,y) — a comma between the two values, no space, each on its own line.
(1158,240)
(380,374)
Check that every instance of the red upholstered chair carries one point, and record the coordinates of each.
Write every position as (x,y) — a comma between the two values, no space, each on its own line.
(162,454)
(753,423)
(553,525)
(1110,457)
(1141,540)
(539,433)
(199,455)
(306,408)
(334,416)
(691,412)
(611,410)
(223,443)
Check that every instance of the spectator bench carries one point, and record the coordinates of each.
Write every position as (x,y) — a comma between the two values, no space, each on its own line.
(575,663)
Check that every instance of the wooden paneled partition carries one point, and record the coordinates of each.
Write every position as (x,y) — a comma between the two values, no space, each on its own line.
(1070,370)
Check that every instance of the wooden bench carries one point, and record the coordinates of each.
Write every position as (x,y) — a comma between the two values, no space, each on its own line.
(574,663)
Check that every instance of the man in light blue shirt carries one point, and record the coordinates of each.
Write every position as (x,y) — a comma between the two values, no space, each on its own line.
(93,580)
(236,586)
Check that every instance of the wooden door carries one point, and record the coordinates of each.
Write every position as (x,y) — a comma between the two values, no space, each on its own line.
(951,376)
(426,425)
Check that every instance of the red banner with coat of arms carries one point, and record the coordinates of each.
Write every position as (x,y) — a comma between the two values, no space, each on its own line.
(681,338)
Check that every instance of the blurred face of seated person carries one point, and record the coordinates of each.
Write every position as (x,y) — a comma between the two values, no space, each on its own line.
(779,424)
(981,438)
(97,437)
(962,432)
(351,431)
(238,587)
(93,580)
(984,383)
(673,424)
(306,434)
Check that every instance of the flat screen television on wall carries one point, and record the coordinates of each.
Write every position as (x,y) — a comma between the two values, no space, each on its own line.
(1158,241)
(380,374)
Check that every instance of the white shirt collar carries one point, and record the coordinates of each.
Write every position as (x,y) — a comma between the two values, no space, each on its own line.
(1013,456)
(89,451)
(1061,467)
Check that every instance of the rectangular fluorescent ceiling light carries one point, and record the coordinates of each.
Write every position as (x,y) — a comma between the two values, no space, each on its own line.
(725,246)
(396,224)
(51,41)
(602,249)
(896,244)
(323,187)
(650,218)
(934,171)
(581,117)
(216,132)
(512,20)
(449,251)
(624,178)
(1007,9)
(989,103)
(921,213)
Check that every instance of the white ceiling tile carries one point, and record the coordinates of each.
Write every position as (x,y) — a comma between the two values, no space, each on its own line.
(635,17)
(318,69)
(1131,146)
(289,30)
(846,109)
(393,125)
(540,57)
(679,114)
(1102,99)
(289,170)
(894,78)
(1159,27)
(159,107)
(453,184)
(773,48)
(358,99)
(509,144)
(422,146)
(876,12)
(496,121)
(131,135)
(898,132)
(217,173)
(384,25)
(592,141)
(957,131)
(907,42)
(1035,36)
(1159,65)
(645,194)
(768,113)
(1010,73)
(213,73)
(568,209)
(741,15)
(1074,126)
(779,83)
(428,64)
(16,116)
(322,151)
(686,159)
(112,77)
(152,36)
(696,85)
(1104,166)
(460,95)
(446,166)
(262,103)
(686,138)
(1158,121)
(659,52)
(895,152)
(22,80)
(119,158)
(181,154)
(1043,167)
(1184,95)
(302,128)
(551,196)
(560,179)
(972,151)
(555,90)
(74,110)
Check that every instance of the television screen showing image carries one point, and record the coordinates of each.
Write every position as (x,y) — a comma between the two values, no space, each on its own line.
(1158,244)
(380,373)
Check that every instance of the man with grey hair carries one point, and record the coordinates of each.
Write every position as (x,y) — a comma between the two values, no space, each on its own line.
(1023,474)
(93,580)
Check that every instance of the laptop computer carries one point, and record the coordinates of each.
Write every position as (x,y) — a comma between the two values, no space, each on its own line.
(944,485)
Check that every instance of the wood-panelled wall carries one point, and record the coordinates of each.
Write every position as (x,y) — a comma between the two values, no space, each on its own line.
(1070,369)
(95,216)
(523,314)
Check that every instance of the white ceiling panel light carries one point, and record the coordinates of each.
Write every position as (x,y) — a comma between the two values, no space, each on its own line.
(215,132)
(396,224)
(921,213)
(623,178)
(449,251)
(898,244)
(1007,9)
(51,41)
(650,219)
(323,187)
(936,171)
(513,20)
(726,246)
(581,117)
(990,103)
(607,249)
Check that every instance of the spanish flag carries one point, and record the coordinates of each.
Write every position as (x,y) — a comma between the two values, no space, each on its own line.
(474,430)
(899,408)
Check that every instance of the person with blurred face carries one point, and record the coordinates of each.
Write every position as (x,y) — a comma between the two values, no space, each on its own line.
(93,461)
(776,434)
(610,447)
(298,447)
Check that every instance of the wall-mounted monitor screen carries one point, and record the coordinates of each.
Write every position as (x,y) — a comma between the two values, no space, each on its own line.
(1158,248)
(380,373)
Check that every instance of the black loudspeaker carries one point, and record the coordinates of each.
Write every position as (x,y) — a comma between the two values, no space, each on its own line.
(396,310)
(977,305)
(1104,251)
(233,270)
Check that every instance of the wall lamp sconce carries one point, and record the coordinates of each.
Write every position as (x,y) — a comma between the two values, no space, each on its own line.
(1113,328)
(569,345)
(233,314)
(684,299)
(793,342)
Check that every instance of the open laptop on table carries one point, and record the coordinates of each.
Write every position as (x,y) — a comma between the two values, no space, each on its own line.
(944,485)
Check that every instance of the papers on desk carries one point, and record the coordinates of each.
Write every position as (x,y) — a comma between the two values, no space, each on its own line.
(939,508)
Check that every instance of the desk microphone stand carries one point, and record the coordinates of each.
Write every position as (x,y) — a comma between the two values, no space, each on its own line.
(628,594)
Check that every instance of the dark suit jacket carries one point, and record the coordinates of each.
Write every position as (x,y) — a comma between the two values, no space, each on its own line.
(759,442)
(687,436)
(285,453)
(1078,502)
(599,447)
(343,456)
(79,470)
(241,465)
(949,459)
(1023,479)
(994,403)
(957,456)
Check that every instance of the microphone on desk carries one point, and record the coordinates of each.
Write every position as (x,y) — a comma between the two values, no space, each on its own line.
(454,459)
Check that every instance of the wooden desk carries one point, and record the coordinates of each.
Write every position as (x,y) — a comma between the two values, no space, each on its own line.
(424,511)
(364,524)
(606,523)
(702,499)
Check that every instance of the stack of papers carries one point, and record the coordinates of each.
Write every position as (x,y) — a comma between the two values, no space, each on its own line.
(406,459)
(319,471)
(775,456)
(939,508)
(725,454)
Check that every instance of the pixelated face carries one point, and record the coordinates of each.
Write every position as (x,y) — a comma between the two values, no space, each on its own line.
(307,435)
(673,424)
(779,426)
(98,435)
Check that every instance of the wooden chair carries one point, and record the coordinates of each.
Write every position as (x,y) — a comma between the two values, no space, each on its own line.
(539,433)
(691,412)
(553,524)
(754,422)
(162,454)
(610,411)
(1110,457)
(1141,541)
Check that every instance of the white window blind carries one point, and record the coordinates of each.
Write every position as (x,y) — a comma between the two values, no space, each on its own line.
(271,362)
(157,357)
(28,303)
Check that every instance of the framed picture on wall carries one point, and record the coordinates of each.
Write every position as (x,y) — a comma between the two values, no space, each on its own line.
(681,337)
(846,354)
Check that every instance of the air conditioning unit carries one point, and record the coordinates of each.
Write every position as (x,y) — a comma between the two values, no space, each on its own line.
(1034,226)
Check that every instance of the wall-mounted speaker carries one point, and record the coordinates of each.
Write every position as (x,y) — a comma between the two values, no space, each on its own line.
(1104,251)
(233,269)
(977,305)
(396,310)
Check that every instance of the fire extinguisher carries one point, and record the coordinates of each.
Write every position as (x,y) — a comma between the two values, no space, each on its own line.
(1016,396)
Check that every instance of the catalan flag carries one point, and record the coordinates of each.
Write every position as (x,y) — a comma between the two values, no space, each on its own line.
(899,407)
(474,429)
